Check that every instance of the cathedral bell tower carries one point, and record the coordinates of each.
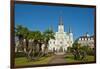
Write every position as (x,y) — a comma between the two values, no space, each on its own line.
(60,26)
(70,37)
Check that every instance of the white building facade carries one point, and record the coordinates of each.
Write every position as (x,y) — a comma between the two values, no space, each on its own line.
(62,39)
(86,40)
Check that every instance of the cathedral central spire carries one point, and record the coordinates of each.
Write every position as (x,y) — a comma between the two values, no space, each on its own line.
(60,20)
(60,26)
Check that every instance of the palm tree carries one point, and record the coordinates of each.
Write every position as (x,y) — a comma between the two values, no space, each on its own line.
(22,33)
(35,47)
(20,30)
(37,38)
(48,34)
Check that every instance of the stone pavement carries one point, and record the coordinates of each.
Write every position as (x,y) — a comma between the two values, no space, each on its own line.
(57,59)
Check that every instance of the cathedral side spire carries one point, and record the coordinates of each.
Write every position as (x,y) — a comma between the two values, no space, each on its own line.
(69,29)
(51,28)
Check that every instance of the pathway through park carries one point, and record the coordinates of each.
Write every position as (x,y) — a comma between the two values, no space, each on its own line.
(57,59)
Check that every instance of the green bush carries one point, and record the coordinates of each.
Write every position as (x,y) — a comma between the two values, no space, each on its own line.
(90,51)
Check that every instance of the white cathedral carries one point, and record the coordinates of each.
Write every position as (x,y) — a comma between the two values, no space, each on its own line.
(62,40)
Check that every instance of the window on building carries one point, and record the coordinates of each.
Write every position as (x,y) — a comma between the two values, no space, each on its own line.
(88,38)
(82,38)
(53,42)
(85,38)
(91,38)
(60,42)
(79,38)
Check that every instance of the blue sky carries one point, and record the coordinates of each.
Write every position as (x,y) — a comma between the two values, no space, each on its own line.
(41,17)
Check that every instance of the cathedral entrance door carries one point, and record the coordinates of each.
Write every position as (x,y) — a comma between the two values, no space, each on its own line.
(61,49)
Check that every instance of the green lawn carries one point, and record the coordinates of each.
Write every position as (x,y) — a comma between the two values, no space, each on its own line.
(22,61)
(70,59)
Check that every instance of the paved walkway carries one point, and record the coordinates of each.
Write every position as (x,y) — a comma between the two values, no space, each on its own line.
(57,59)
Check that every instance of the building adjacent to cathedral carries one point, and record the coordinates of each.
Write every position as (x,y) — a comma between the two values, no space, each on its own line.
(62,40)
(86,40)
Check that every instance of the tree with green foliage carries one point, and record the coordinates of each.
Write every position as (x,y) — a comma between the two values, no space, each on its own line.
(48,34)
(34,38)
(79,51)
(22,33)
(76,51)
(88,49)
